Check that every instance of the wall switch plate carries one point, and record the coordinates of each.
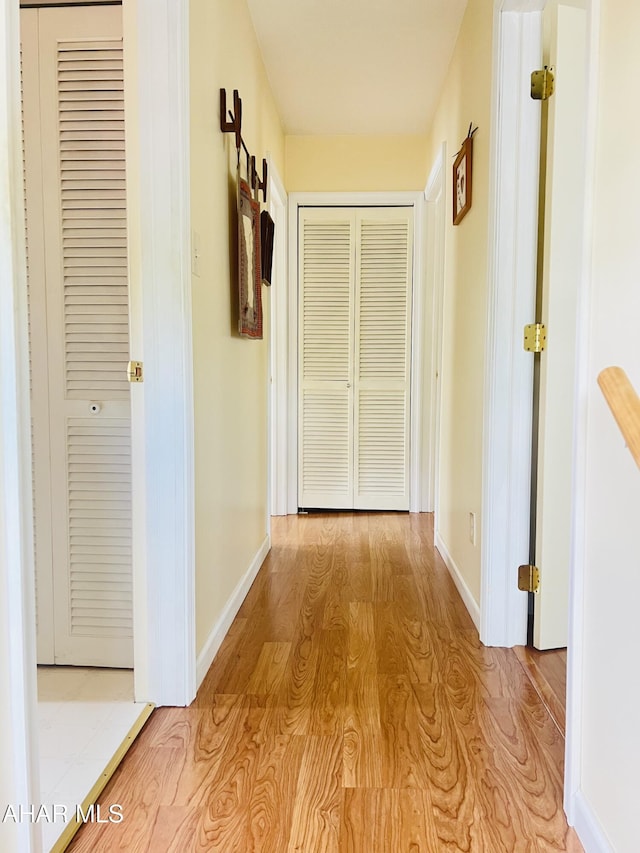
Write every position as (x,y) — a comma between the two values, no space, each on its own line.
(472,528)
(195,253)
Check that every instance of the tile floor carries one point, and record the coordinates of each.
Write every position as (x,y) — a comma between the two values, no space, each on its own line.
(84,714)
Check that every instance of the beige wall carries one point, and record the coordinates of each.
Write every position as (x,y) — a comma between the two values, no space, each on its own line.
(610,695)
(466,97)
(356,163)
(230,374)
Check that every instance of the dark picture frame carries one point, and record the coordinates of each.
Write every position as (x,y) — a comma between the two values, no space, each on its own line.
(462,181)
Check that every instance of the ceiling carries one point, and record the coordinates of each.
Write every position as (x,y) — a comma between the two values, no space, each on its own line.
(356,66)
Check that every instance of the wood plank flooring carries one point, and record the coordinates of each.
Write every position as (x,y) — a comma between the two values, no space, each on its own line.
(350,709)
(547,671)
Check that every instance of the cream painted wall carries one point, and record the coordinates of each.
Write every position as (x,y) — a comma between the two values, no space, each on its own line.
(466,97)
(356,163)
(610,694)
(230,374)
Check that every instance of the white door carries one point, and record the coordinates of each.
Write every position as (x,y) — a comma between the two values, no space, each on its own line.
(355,274)
(78,294)
(563,212)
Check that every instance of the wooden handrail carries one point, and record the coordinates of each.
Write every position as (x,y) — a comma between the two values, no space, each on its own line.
(624,404)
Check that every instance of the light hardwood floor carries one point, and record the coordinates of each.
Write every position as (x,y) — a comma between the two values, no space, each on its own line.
(547,672)
(351,708)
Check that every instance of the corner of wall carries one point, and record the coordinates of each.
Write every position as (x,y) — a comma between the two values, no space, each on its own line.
(588,827)
(228,614)
(461,585)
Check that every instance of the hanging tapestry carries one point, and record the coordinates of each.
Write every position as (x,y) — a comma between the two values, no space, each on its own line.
(249,263)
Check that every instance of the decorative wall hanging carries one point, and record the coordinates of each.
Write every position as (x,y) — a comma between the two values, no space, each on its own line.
(249,224)
(462,178)
(249,262)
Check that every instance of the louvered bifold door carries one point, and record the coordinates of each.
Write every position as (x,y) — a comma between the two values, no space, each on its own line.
(82,105)
(384,260)
(326,282)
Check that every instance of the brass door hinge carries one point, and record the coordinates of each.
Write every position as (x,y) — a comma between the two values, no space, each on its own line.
(535,337)
(543,84)
(134,371)
(529,578)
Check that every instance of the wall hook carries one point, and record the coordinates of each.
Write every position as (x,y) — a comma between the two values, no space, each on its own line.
(235,125)
(256,183)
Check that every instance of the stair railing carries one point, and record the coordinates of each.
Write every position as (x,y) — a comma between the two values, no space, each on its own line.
(624,404)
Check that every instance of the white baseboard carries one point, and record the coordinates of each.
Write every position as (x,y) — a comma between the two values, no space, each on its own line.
(461,585)
(219,631)
(588,827)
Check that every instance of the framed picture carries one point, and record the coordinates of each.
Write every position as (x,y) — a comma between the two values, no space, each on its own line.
(462,181)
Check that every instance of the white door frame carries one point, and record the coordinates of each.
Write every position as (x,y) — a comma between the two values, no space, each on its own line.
(157,101)
(19,773)
(436,207)
(278,348)
(578,811)
(290,440)
(156,54)
(508,393)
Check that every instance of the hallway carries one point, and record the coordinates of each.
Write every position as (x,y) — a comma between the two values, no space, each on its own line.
(350,708)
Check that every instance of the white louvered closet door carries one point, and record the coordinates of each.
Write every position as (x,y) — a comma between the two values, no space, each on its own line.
(354,365)
(87,339)
(327,279)
(384,260)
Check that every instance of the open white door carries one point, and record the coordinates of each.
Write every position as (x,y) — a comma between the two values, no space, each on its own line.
(565,33)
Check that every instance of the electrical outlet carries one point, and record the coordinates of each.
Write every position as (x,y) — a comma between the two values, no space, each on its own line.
(472,528)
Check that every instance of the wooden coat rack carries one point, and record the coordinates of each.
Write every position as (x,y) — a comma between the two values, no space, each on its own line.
(234,125)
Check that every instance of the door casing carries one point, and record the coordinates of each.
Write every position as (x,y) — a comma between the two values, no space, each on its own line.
(434,194)
(278,353)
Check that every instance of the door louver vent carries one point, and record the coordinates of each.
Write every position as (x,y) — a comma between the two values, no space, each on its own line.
(92,186)
(99,481)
